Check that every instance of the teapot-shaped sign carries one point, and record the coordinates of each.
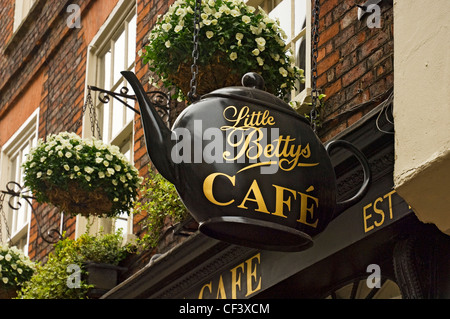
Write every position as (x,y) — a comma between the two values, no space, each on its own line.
(249,169)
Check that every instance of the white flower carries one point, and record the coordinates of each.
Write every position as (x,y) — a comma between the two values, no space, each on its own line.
(166,26)
(246,19)
(5,280)
(39,174)
(235,12)
(66,167)
(8,257)
(111,171)
(88,169)
(260,61)
(233,56)
(106,163)
(68,154)
(180,12)
(167,44)
(209,34)
(60,154)
(283,72)
(255,52)
(114,182)
(76,168)
(43,158)
(88,178)
(178,28)
(260,41)
(101,175)
(98,160)
(49,172)
(239,36)
(115,199)
(117,168)
(19,270)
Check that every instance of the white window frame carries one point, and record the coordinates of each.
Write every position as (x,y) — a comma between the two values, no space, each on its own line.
(27,133)
(304,96)
(105,37)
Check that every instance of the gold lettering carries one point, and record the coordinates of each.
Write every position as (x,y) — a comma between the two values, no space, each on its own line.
(378,211)
(236,280)
(306,210)
(252,274)
(208,188)
(221,294)
(280,201)
(389,195)
(208,285)
(366,216)
(258,198)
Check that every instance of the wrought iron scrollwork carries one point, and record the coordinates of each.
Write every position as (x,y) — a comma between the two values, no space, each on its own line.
(160,100)
(15,191)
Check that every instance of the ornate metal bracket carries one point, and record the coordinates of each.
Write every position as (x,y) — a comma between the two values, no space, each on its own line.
(160,100)
(15,190)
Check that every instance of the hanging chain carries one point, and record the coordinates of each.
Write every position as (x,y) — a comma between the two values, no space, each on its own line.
(192,95)
(314,54)
(92,115)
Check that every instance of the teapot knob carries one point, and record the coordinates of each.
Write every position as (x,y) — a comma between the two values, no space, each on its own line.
(253,80)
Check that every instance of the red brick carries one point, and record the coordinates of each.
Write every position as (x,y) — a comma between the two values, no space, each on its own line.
(329,33)
(326,63)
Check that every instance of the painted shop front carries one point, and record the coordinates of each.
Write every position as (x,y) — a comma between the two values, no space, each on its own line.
(376,248)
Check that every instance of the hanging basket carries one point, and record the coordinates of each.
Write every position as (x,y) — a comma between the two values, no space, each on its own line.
(233,39)
(79,201)
(81,176)
(7,292)
(215,75)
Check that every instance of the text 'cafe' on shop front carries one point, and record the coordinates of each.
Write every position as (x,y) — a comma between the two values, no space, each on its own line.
(376,248)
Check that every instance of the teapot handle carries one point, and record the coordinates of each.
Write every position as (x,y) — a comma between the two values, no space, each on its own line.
(343,205)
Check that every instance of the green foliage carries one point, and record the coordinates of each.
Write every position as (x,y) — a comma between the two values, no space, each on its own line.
(248,39)
(159,199)
(50,280)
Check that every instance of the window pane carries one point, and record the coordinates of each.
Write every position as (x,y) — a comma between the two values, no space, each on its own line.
(119,56)
(117,117)
(282,12)
(131,41)
(300,15)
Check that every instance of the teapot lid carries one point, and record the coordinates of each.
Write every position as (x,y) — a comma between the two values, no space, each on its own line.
(252,92)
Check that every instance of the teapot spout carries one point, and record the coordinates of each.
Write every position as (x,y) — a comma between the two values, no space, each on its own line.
(157,136)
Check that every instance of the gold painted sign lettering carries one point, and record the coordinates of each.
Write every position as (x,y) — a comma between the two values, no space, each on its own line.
(378,212)
(242,280)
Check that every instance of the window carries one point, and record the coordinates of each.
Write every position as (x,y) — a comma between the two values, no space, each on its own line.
(13,155)
(21,10)
(111,51)
(295,20)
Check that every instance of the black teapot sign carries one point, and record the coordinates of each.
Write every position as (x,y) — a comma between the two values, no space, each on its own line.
(249,169)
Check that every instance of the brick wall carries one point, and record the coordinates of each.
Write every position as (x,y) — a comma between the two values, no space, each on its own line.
(44,44)
(355,62)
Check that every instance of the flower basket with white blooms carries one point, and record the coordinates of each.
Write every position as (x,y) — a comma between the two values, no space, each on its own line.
(233,39)
(81,176)
(15,269)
